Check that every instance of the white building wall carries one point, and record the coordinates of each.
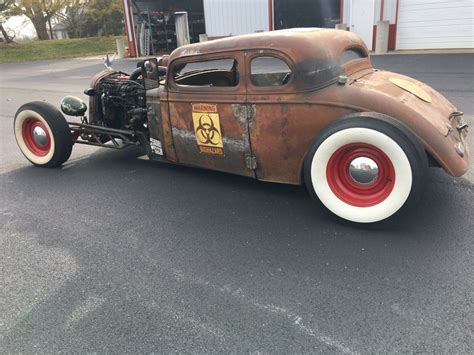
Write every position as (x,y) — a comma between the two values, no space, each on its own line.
(235,17)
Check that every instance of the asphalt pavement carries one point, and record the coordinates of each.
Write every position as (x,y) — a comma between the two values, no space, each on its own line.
(113,253)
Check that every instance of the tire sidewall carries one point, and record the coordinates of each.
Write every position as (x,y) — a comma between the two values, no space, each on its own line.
(394,139)
(58,130)
(20,119)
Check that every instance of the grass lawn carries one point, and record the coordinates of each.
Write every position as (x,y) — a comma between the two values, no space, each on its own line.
(55,49)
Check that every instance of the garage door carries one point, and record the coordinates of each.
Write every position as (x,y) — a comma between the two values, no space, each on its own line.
(433,24)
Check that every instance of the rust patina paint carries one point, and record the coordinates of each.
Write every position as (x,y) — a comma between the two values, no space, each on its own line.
(277,124)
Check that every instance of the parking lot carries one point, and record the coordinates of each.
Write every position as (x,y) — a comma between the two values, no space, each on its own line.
(119,254)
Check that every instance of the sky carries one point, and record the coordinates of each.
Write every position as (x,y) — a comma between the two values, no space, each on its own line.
(22,27)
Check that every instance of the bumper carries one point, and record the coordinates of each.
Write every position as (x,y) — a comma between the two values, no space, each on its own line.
(458,164)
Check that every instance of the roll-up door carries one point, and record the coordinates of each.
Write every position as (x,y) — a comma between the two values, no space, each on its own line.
(435,24)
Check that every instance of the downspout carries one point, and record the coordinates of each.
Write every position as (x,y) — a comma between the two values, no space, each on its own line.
(341,12)
(129,28)
(396,24)
(270,15)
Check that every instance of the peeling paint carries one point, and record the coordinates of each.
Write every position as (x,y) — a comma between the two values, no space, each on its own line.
(190,51)
(244,112)
(229,143)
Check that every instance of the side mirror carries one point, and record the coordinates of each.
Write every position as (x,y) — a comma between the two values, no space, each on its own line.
(73,106)
(150,73)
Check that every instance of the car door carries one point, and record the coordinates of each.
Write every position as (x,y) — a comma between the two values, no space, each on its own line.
(207,112)
(287,111)
(274,130)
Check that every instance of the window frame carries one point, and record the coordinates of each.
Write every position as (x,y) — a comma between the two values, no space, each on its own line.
(255,53)
(353,49)
(357,64)
(175,87)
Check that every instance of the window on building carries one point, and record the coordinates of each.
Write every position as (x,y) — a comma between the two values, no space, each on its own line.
(269,71)
(219,72)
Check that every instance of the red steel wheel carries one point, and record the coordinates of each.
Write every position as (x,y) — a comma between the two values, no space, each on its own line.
(365,169)
(42,134)
(360,174)
(36,136)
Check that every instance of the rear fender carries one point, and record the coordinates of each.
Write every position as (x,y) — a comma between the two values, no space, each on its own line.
(429,121)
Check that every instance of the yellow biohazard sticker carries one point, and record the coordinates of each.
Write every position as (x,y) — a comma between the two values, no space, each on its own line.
(207,129)
(412,88)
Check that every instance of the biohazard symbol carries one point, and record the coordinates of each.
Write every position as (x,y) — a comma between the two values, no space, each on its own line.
(206,131)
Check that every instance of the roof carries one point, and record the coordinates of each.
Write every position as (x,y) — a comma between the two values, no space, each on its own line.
(296,40)
(316,52)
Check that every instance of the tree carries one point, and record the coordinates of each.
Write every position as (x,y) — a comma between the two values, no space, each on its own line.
(74,18)
(39,12)
(106,16)
(5,6)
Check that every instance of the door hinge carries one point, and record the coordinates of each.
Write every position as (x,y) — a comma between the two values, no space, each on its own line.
(250,111)
(251,162)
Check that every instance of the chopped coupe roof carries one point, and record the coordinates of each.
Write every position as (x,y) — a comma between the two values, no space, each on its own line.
(315,52)
(298,41)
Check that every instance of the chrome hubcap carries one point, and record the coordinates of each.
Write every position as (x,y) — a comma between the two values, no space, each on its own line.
(363,170)
(40,136)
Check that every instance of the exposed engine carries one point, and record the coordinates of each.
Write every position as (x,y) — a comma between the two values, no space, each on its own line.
(117,107)
(120,102)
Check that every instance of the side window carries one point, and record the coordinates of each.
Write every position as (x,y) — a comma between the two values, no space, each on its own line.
(352,54)
(219,72)
(269,71)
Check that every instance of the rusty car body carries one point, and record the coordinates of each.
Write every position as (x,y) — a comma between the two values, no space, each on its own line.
(210,105)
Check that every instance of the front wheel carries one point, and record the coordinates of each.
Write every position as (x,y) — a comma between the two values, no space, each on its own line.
(42,134)
(365,169)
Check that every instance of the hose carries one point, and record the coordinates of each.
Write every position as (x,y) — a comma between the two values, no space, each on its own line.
(135,74)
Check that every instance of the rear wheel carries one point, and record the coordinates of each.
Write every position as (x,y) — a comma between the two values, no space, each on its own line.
(42,134)
(365,169)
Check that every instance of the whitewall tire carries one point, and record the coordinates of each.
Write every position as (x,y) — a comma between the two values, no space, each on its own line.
(42,134)
(364,169)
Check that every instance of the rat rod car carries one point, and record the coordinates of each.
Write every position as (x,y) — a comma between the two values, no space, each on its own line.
(301,106)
